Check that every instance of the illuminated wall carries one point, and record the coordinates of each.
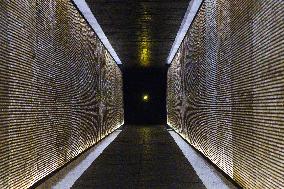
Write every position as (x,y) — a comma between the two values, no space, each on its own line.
(60,90)
(226,89)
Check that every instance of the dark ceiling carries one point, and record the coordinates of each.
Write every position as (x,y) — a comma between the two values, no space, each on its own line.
(140,31)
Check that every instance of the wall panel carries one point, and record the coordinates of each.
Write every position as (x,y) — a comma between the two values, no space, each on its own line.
(60,90)
(226,89)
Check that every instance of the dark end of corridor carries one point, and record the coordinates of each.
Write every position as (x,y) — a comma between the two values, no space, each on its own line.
(139,82)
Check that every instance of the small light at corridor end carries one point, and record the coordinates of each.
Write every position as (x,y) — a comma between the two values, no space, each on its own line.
(145,97)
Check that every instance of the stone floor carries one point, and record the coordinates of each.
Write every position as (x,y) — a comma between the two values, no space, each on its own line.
(141,157)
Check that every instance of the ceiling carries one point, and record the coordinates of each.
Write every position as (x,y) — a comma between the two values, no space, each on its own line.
(142,31)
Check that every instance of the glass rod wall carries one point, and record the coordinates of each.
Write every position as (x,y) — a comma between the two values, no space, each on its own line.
(226,89)
(60,90)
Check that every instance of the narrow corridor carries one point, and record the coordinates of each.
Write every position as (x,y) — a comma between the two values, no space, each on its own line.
(142,94)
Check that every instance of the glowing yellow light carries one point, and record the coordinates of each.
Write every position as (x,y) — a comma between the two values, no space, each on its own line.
(145,52)
(145,98)
(145,40)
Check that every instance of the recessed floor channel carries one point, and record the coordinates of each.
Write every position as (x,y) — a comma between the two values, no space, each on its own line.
(141,157)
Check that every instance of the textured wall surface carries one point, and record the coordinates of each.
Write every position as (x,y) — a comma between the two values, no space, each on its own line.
(226,89)
(60,90)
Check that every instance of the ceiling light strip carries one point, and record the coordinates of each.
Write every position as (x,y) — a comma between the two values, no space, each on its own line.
(89,16)
(191,11)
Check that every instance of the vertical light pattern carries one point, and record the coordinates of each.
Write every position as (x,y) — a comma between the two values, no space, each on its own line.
(226,89)
(145,52)
(145,40)
(60,90)
(145,49)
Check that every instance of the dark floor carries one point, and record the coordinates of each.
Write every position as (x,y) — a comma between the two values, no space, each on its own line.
(141,157)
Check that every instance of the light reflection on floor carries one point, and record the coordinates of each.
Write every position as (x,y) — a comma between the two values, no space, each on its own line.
(210,177)
(66,177)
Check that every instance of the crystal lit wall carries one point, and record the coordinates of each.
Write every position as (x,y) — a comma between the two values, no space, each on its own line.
(60,90)
(226,89)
